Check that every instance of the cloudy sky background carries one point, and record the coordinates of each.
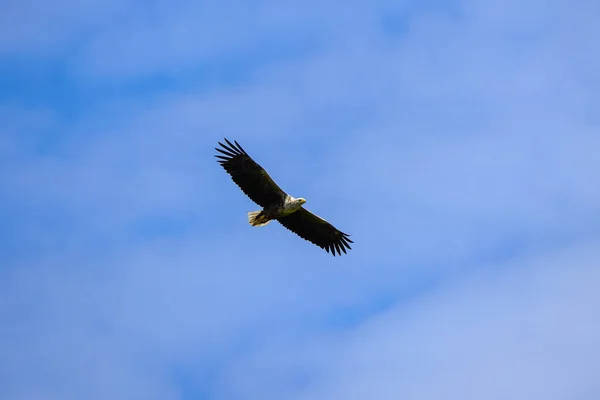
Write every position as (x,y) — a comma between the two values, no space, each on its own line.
(456,141)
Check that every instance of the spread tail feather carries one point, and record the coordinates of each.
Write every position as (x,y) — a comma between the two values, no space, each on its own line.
(257,218)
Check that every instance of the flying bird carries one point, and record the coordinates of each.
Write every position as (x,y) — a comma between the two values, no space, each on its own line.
(276,204)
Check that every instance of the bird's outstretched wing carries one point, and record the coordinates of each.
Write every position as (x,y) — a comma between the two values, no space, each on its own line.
(316,230)
(254,181)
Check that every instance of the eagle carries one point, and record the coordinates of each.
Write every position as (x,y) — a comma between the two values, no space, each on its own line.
(276,204)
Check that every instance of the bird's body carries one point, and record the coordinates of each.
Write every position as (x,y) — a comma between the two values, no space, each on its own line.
(275,211)
(277,205)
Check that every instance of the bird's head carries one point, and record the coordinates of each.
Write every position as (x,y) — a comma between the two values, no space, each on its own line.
(300,200)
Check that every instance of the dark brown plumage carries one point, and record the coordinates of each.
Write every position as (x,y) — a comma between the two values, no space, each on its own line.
(256,183)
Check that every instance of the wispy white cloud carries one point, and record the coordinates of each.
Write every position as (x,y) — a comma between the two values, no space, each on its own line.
(166,39)
(33,27)
(523,329)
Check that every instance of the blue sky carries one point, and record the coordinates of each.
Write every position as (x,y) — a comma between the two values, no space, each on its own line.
(456,141)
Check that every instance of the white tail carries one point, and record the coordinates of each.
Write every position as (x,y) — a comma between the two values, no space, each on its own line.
(257,218)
